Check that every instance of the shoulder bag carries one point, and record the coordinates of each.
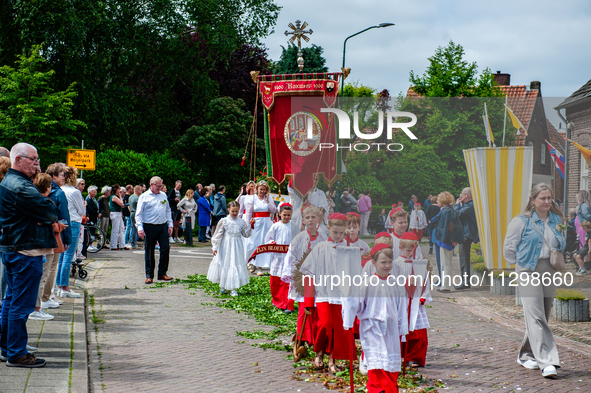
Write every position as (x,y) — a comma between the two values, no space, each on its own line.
(556,257)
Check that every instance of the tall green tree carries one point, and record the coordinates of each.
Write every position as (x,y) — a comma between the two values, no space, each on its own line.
(313,60)
(449,107)
(32,111)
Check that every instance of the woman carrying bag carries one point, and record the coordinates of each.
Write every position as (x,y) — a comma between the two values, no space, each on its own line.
(449,233)
(533,244)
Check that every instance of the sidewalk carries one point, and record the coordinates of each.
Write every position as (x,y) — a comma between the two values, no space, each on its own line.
(62,343)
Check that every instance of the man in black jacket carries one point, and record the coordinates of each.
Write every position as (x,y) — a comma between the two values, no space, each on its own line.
(465,208)
(26,219)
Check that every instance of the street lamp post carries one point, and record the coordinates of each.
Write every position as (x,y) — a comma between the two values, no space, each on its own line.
(337,197)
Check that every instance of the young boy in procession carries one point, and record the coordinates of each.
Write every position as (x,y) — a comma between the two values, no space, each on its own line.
(302,243)
(418,293)
(326,260)
(353,227)
(281,233)
(380,308)
(388,223)
(399,219)
(228,267)
(418,220)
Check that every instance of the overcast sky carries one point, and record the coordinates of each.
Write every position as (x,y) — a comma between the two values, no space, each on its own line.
(543,40)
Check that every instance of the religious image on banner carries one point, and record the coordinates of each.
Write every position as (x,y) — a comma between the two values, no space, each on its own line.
(296,133)
(296,128)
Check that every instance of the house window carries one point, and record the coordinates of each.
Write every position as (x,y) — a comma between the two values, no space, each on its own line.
(544,154)
(584,175)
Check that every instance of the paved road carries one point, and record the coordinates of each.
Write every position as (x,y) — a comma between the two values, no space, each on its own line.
(165,339)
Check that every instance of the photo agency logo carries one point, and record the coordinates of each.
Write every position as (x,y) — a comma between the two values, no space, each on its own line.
(345,135)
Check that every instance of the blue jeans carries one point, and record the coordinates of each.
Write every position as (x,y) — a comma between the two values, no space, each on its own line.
(3,283)
(23,275)
(127,230)
(133,236)
(62,278)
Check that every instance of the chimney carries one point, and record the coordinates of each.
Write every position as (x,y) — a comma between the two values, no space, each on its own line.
(535,85)
(502,79)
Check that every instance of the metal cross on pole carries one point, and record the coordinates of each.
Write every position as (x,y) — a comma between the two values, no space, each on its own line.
(299,33)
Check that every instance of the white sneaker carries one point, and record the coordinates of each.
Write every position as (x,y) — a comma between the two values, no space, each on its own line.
(171,240)
(362,366)
(92,248)
(81,257)
(31,348)
(549,372)
(50,304)
(40,316)
(70,293)
(177,240)
(55,299)
(529,364)
(222,291)
(233,293)
(127,247)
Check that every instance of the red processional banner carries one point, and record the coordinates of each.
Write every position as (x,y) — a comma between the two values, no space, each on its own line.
(265,248)
(292,107)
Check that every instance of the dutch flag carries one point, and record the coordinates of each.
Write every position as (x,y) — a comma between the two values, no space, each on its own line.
(557,158)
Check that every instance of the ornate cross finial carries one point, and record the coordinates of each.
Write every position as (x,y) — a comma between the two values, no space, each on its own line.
(299,33)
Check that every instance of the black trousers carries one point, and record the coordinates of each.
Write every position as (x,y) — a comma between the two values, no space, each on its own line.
(188,231)
(156,233)
(465,260)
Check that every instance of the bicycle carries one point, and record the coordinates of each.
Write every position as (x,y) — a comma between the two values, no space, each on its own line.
(96,237)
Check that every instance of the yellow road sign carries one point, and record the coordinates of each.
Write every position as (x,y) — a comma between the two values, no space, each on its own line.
(82,159)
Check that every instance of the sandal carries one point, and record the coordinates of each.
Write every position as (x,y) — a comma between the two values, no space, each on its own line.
(413,364)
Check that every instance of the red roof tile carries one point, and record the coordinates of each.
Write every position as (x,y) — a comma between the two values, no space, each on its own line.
(521,102)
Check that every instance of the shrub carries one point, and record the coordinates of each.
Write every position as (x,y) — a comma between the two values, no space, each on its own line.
(476,259)
(496,273)
(569,294)
(479,267)
(475,246)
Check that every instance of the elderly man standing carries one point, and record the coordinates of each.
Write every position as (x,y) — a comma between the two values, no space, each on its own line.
(104,209)
(364,206)
(154,223)
(465,208)
(26,218)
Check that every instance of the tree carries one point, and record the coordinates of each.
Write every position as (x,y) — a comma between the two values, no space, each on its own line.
(142,68)
(214,149)
(31,111)
(288,63)
(449,109)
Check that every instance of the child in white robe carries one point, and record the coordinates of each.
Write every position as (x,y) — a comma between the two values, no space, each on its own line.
(258,212)
(381,311)
(415,353)
(302,243)
(228,267)
(418,220)
(280,233)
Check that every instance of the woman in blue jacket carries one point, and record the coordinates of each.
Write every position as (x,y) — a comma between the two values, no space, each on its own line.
(204,212)
(529,251)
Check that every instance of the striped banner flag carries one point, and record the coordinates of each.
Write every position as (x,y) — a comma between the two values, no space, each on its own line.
(500,180)
(557,158)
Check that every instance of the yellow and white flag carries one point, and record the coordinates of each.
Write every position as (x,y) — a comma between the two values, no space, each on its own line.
(515,121)
(489,135)
(501,181)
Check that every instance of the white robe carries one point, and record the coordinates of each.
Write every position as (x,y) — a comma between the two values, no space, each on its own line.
(327,261)
(261,227)
(418,220)
(418,319)
(360,244)
(317,198)
(299,245)
(228,267)
(382,321)
(296,206)
(279,233)
(369,268)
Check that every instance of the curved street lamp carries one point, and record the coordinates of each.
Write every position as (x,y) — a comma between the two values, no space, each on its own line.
(337,198)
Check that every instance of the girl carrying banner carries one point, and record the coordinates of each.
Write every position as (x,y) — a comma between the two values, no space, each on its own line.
(259,209)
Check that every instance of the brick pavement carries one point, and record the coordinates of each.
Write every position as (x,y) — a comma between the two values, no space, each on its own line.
(171,339)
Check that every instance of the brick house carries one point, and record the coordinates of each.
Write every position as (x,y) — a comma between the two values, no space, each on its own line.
(576,112)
